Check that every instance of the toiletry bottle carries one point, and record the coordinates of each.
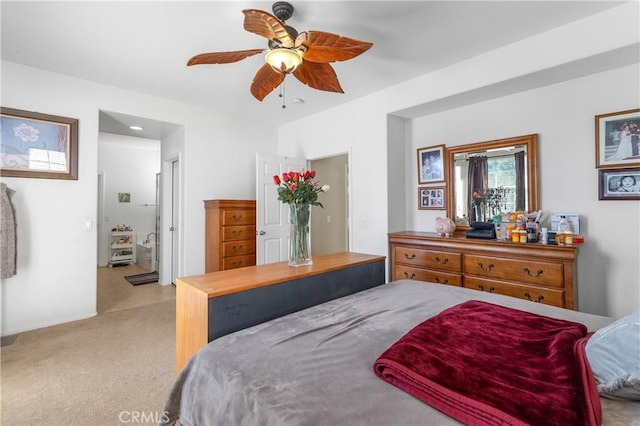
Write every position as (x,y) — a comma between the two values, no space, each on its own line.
(544,236)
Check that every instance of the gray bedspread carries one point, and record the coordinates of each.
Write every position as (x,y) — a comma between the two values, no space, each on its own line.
(314,367)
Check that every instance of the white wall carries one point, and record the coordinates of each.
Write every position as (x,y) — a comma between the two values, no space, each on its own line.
(57,258)
(128,165)
(531,67)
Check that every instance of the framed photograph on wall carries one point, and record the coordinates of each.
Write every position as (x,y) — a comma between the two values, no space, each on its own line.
(431,198)
(618,139)
(619,184)
(36,145)
(431,164)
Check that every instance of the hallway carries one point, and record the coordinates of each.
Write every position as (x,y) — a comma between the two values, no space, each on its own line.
(116,294)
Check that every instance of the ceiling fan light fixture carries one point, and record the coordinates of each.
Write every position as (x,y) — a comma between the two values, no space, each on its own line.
(284,60)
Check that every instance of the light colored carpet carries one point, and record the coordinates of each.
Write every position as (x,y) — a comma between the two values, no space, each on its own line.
(115,368)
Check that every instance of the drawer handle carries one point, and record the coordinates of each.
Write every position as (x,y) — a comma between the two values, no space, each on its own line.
(442,262)
(236,233)
(491,289)
(413,256)
(413,275)
(487,268)
(528,297)
(445,281)
(540,271)
(237,264)
(237,218)
(237,249)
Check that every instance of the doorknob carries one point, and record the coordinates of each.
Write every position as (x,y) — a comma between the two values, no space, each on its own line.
(262,233)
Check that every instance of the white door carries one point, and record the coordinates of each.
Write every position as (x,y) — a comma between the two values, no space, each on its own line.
(272,221)
(175,220)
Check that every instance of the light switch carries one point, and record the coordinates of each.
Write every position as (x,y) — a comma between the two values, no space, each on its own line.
(88,224)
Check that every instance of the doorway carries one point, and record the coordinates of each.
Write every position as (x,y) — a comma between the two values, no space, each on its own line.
(332,226)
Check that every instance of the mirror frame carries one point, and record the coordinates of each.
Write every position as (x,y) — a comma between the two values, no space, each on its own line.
(530,141)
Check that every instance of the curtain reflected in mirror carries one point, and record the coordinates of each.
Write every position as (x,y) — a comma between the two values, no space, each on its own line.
(490,183)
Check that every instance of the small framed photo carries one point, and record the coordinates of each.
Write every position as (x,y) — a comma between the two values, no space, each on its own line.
(431,198)
(619,184)
(618,139)
(35,145)
(431,164)
(124,197)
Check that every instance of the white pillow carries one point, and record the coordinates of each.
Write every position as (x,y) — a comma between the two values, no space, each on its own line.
(614,355)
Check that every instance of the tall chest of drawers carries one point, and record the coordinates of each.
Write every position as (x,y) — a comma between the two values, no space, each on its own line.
(533,271)
(230,234)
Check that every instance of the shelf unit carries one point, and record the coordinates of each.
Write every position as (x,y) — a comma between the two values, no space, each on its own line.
(122,247)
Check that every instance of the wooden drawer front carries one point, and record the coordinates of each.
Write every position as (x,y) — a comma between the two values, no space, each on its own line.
(439,260)
(238,248)
(532,271)
(231,233)
(238,262)
(239,217)
(404,272)
(546,296)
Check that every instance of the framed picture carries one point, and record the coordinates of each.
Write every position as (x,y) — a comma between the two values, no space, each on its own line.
(431,198)
(35,145)
(124,197)
(431,166)
(617,139)
(619,184)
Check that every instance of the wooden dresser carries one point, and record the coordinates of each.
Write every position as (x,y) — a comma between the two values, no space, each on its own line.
(533,271)
(230,234)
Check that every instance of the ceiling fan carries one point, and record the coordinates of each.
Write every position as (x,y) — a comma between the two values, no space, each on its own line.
(306,55)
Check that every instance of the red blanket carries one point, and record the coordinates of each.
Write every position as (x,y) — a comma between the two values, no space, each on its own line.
(487,364)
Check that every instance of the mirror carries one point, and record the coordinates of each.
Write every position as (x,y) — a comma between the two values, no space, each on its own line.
(488,178)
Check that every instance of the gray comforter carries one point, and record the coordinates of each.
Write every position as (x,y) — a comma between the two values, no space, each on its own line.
(314,367)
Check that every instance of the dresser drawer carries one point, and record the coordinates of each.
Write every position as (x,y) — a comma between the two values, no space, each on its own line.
(231,233)
(238,262)
(526,271)
(238,248)
(440,260)
(239,217)
(546,296)
(405,272)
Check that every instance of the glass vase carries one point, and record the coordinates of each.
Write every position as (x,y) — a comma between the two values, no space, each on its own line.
(300,237)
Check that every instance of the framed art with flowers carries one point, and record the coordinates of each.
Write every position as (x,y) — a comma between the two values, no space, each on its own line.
(36,145)
(431,164)
(431,198)
(618,139)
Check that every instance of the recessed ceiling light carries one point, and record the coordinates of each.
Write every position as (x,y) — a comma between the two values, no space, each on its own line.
(136,128)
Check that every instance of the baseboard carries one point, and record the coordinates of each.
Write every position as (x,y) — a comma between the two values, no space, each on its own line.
(37,326)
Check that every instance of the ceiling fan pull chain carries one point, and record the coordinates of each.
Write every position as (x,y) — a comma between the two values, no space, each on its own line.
(282,94)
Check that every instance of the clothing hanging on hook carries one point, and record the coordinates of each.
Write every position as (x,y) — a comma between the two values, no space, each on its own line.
(8,236)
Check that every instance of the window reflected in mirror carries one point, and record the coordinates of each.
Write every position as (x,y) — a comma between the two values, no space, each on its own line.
(488,183)
(487,179)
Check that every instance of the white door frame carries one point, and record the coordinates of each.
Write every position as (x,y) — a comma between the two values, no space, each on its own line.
(171,246)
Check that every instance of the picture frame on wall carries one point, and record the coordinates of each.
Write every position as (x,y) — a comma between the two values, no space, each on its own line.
(432,198)
(431,164)
(618,139)
(36,145)
(619,184)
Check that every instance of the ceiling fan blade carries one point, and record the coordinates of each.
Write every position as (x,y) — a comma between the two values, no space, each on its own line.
(265,80)
(266,25)
(320,76)
(327,47)
(222,57)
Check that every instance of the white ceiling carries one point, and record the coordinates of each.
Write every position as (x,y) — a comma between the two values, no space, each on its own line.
(144,46)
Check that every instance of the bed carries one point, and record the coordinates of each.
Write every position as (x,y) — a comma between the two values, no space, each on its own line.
(315,367)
